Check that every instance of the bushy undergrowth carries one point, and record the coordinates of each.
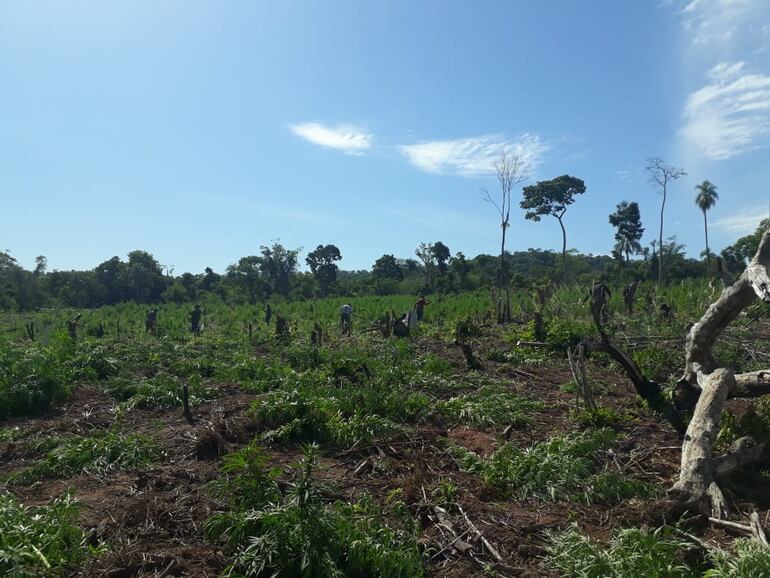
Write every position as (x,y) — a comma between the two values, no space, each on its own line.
(599,417)
(32,378)
(299,533)
(755,422)
(632,552)
(560,332)
(161,390)
(658,362)
(749,559)
(561,468)
(355,398)
(487,406)
(660,552)
(41,541)
(324,413)
(95,454)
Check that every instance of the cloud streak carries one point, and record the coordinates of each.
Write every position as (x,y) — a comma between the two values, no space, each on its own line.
(742,222)
(730,115)
(346,138)
(472,156)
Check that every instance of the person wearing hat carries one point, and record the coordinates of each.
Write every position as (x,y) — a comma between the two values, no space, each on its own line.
(346,319)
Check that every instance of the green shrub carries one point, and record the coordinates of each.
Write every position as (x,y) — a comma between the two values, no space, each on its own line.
(657,362)
(751,559)
(165,390)
(561,468)
(561,333)
(256,375)
(599,417)
(755,423)
(94,362)
(311,407)
(436,365)
(41,541)
(487,406)
(96,454)
(298,534)
(245,484)
(304,357)
(631,552)
(32,378)
(569,387)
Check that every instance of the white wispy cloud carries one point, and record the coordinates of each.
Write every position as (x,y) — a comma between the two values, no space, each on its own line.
(346,138)
(711,23)
(474,155)
(730,115)
(742,222)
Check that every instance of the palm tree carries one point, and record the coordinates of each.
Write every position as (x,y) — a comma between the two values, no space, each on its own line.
(706,198)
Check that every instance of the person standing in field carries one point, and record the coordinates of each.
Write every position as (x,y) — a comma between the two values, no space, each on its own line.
(195,320)
(346,319)
(268,314)
(151,321)
(419,306)
(72,326)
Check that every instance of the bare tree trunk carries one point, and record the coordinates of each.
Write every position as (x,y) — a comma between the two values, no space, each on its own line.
(694,489)
(501,276)
(563,250)
(708,253)
(660,239)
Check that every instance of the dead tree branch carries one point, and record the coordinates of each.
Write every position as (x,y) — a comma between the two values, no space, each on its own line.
(697,488)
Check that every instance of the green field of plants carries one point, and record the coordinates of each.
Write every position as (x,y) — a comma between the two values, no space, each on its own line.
(243,451)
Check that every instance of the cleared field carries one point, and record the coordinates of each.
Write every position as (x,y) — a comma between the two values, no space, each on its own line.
(359,456)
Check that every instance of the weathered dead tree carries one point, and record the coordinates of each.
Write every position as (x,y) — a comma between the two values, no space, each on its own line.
(724,274)
(186,412)
(629,296)
(539,331)
(697,488)
(464,331)
(281,328)
(470,359)
(577,365)
(317,334)
(386,324)
(703,390)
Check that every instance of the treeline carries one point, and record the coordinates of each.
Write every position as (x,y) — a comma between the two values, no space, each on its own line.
(274,273)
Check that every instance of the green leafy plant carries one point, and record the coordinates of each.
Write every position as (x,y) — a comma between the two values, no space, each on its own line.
(487,406)
(165,390)
(599,417)
(95,454)
(561,468)
(41,541)
(750,559)
(632,552)
(300,534)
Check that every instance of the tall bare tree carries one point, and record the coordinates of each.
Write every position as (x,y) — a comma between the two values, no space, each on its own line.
(661,175)
(510,170)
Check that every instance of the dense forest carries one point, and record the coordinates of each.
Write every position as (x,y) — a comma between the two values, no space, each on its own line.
(275,273)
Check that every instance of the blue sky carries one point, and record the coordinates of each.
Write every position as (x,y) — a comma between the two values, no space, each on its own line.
(201,130)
